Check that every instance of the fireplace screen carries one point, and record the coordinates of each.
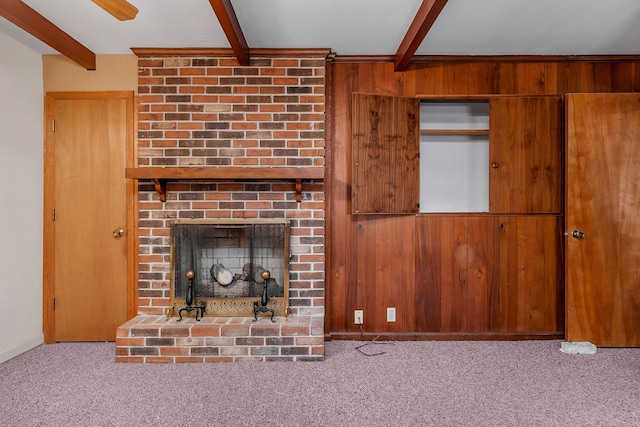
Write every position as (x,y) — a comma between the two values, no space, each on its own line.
(227,268)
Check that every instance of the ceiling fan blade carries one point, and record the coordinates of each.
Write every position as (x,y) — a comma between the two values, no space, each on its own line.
(121,9)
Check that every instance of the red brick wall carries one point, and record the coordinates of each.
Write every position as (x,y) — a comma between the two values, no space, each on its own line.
(209,111)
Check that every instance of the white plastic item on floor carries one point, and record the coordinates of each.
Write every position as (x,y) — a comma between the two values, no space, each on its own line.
(584,347)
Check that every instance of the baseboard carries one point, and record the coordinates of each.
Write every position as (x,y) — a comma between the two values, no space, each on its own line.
(21,348)
(444,336)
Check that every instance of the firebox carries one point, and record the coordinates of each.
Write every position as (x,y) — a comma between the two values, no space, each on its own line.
(229,268)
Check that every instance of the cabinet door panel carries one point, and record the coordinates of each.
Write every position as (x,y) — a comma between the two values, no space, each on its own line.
(385,149)
(525,152)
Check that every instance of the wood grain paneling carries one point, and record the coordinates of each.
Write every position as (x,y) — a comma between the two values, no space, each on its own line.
(428,80)
(340,230)
(521,279)
(482,267)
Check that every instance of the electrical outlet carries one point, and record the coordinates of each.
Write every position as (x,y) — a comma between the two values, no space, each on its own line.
(391,314)
(358,317)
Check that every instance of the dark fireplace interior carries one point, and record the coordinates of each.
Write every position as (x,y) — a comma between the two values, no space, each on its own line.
(232,266)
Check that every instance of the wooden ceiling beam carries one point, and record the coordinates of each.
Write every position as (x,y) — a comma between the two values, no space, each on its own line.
(423,21)
(122,10)
(231,27)
(41,28)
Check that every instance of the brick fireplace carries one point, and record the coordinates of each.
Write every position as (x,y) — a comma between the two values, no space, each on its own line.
(237,143)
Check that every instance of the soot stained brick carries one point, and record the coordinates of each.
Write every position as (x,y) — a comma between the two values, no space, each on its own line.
(204,62)
(216,125)
(164,89)
(178,98)
(218,89)
(299,89)
(177,116)
(218,161)
(204,134)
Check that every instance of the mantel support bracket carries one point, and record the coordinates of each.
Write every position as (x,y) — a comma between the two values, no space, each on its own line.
(161,188)
(298,190)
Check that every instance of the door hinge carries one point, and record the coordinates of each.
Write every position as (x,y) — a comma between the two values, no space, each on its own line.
(53,303)
(53,214)
(53,125)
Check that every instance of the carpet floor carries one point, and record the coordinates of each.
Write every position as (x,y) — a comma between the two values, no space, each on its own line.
(426,383)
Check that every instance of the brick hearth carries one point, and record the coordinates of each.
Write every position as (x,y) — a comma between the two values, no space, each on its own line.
(158,339)
(208,111)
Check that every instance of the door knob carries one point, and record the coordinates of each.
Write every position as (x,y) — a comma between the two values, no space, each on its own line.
(578,234)
(118,233)
(495,165)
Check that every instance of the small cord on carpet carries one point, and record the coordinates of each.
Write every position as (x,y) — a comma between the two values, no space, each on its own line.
(373,341)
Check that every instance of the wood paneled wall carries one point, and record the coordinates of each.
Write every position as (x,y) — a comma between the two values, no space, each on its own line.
(378,261)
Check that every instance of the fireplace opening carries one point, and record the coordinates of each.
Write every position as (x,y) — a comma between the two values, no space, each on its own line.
(229,268)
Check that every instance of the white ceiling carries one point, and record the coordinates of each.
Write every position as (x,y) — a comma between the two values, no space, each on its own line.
(355,27)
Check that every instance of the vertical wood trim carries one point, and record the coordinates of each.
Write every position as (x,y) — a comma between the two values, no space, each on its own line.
(132,208)
(328,189)
(48,262)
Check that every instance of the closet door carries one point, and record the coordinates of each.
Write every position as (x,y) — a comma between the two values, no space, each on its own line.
(603,219)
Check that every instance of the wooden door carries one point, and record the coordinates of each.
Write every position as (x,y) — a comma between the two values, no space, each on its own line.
(603,202)
(86,215)
(525,146)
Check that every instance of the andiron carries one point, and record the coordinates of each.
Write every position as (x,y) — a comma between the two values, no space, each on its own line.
(262,305)
(199,309)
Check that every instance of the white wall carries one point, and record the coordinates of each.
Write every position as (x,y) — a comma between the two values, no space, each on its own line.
(21,194)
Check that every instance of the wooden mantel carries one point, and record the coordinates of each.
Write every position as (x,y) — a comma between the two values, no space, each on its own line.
(161,175)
